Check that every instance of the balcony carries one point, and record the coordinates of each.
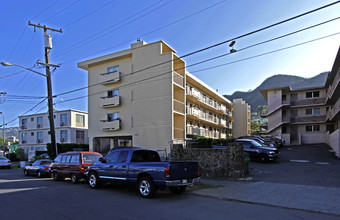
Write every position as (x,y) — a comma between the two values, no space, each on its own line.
(39,125)
(335,86)
(332,112)
(191,130)
(223,136)
(309,119)
(106,125)
(179,107)
(62,124)
(108,78)
(308,102)
(178,79)
(39,141)
(23,127)
(107,102)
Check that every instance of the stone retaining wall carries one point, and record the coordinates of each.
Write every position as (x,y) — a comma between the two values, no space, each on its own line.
(213,162)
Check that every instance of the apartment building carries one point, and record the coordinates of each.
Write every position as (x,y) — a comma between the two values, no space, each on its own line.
(307,115)
(34,130)
(144,97)
(242,118)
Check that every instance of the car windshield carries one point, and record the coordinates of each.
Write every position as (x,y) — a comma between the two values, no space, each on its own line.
(91,158)
(256,144)
(45,162)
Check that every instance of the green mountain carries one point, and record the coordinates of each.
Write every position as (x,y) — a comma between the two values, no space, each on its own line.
(254,97)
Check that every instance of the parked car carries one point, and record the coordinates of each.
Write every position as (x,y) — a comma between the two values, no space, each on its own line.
(144,168)
(39,168)
(72,165)
(260,140)
(5,162)
(257,151)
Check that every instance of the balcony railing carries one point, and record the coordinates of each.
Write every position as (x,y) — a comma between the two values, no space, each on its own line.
(191,130)
(178,133)
(107,102)
(333,111)
(309,119)
(334,85)
(307,102)
(106,125)
(179,106)
(108,78)
(178,79)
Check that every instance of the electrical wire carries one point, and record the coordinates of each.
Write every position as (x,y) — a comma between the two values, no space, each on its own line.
(60,11)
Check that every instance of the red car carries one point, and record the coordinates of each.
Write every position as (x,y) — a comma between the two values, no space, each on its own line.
(72,165)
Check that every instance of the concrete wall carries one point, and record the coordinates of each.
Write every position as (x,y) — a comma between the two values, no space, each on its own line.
(313,138)
(213,162)
(241,116)
(334,141)
(274,100)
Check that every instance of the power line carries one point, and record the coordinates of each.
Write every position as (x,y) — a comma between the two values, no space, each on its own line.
(263,54)
(55,2)
(257,44)
(60,11)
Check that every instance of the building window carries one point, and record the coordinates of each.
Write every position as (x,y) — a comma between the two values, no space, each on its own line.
(32,133)
(80,137)
(312,94)
(39,137)
(63,119)
(112,69)
(311,128)
(24,123)
(284,97)
(294,96)
(39,122)
(80,120)
(23,138)
(112,116)
(63,135)
(112,93)
(313,111)
(32,119)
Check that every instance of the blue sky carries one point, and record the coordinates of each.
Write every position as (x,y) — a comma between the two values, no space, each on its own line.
(95,28)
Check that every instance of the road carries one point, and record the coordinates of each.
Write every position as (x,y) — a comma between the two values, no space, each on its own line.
(29,197)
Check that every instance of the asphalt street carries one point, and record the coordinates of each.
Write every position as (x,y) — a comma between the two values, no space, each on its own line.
(42,198)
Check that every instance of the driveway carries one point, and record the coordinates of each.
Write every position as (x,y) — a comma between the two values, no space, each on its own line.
(301,164)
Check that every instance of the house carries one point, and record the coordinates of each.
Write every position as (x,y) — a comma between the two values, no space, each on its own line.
(307,115)
(144,97)
(70,127)
(242,118)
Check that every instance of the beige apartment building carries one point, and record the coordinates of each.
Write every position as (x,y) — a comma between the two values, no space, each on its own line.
(144,97)
(307,115)
(242,118)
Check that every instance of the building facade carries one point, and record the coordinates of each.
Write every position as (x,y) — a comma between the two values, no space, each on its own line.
(242,118)
(71,126)
(144,97)
(307,115)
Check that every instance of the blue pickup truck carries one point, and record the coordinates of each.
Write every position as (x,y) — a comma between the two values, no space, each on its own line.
(144,168)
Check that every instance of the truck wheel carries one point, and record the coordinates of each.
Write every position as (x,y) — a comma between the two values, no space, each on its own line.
(146,187)
(263,158)
(74,178)
(177,189)
(56,176)
(94,181)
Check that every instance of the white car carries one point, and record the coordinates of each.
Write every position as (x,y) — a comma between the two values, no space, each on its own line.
(5,162)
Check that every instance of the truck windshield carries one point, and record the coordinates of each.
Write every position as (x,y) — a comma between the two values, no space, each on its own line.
(145,156)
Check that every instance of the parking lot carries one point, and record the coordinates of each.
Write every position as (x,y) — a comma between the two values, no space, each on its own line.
(306,165)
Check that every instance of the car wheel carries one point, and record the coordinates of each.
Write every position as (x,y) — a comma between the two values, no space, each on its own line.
(25,172)
(56,176)
(94,181)
(146,187)
(177,189)
(74,178)
(263,158)
(39,174)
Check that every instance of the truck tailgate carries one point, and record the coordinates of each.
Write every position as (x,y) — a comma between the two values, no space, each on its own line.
(183,170)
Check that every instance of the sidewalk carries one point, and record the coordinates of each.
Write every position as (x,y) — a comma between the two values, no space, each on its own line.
(292,196)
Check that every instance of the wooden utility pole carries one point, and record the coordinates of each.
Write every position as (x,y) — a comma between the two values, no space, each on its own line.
(48,46)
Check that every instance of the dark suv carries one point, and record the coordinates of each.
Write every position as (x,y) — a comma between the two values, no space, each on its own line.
(257,151)
(72,165)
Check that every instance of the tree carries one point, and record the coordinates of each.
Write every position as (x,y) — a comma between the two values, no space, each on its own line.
(261,110)
(255,127)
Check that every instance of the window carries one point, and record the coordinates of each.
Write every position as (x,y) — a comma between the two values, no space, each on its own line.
(112,69)
(284,97)
(24,123)
(310,128)
(39,137)
(313,111)
(80,137)
(75,158)
(312,94)
(294,96)
(63,119)
(58,159)
(112,157)
(91,158)
(80,120)
(122,158)
(113,116)
(32,133)
(145,156)
(39,122)
(113,93)
(63,135)
(66,158)
(24,137)
(32,119)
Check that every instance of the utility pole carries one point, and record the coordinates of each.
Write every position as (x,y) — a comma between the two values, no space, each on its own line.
(48,46)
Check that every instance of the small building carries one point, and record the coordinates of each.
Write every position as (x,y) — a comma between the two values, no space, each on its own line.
(242,118)
(71,126)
